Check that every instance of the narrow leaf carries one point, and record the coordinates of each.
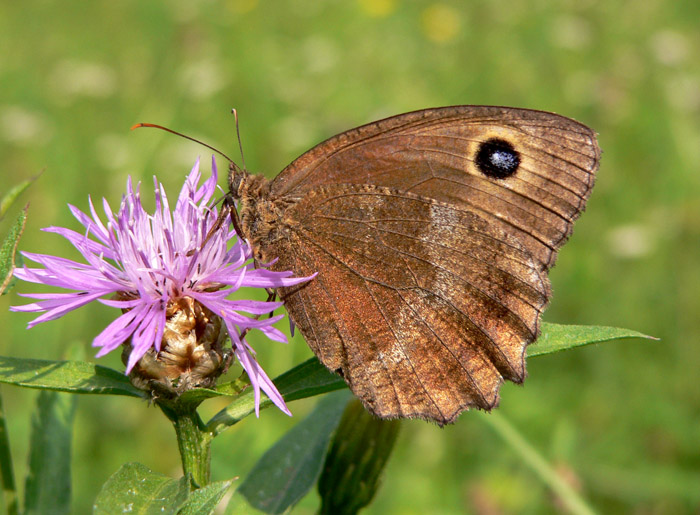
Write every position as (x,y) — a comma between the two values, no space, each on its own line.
(308,379)
(557,337)
(312,378)
(355,461)
(204,500)
(8,251)
(289,469)
(305,380)
(11,196)
(136,489)
(9,490)
(66,376)
(48,485)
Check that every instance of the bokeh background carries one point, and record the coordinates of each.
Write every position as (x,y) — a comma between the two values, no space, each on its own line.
(619,420)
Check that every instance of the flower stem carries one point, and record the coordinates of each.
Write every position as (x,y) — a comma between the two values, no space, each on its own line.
(193,441)
(573,502)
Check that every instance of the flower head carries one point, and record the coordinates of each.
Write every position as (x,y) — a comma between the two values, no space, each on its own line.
(170,274)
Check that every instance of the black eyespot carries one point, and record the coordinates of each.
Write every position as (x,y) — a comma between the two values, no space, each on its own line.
(497,158)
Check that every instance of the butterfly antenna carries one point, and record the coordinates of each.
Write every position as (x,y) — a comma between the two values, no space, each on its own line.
(238,135)
(154,126)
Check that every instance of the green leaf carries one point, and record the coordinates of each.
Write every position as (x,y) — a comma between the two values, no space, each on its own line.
(8,251)
(308,379)
(312,378)
(9,489)
(556,337)
(136,489)
(198,395)
(48,485)
(289,469)
(228,389)
(12,195)
(355,461)
(234,387)
(305,380)
(204,500)
(66,376)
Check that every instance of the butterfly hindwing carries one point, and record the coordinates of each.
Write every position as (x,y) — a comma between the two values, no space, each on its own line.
(421,306)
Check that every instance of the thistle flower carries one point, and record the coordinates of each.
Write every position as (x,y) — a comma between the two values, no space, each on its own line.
(169,274)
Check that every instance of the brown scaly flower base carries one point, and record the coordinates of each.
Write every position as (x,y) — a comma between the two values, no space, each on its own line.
(191,354)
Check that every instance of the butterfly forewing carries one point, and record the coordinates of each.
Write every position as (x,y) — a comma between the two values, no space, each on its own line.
(432,153)
(431,233)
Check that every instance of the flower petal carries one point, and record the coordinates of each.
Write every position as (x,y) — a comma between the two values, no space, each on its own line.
(153,260)
(259,379)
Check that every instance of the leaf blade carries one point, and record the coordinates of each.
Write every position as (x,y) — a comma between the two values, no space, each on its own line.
(48,484)
(289,469)
(305,380)
(204,500)
(559,337)
(66,376)
(11,196)
(8,251)
(9,489)
(135,488)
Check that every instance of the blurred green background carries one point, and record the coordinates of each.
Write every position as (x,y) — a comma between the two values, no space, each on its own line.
(620,420)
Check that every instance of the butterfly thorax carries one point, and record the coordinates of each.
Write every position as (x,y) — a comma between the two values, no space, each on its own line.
(260,215)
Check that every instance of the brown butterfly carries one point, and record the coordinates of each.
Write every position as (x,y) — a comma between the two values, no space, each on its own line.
(432,233)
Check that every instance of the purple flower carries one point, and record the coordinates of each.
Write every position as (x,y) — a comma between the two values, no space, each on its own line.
(164,271)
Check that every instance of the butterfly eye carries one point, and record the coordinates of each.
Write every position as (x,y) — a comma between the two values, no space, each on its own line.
(497,159)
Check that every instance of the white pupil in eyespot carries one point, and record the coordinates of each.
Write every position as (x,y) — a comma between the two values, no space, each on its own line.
(501,159)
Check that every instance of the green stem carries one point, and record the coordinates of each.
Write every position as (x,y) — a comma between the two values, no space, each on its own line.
(571,499)
(193,440)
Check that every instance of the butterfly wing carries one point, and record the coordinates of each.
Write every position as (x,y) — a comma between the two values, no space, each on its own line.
(423,307)
(431,274)
(434,153)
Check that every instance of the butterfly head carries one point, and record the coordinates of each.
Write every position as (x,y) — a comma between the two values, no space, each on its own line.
(236,179)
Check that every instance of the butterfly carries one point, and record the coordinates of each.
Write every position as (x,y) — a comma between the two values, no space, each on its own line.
(431,234)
